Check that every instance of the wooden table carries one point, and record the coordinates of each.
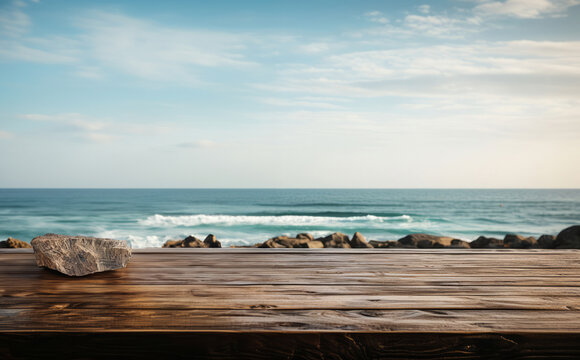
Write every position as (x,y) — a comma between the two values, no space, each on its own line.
(297,303)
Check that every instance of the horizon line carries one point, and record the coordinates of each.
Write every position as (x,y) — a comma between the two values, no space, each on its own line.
(284,188)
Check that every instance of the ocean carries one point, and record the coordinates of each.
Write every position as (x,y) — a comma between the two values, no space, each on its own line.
(149,217)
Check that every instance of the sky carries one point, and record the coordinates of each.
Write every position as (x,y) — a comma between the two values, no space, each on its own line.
(293,94)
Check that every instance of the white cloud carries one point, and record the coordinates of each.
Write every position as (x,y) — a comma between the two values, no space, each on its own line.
(518,87)
(302,102)
(434,25)
(114,42)
(409,70)
(155,52)
(376,16)
(460,22)
(541,58)
(96,129)
(77,124)
(314,48)
(424,9)
(424,23)
(89,72)
(72,120)
(5,134)
(17,44)
(13,21)
(527,9)
(24,51)
(198,144)
(373,13)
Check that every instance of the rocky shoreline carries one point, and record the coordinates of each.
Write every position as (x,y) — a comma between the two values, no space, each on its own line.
(568,238)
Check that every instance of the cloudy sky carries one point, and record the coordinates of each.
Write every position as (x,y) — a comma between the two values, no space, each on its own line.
(388,94)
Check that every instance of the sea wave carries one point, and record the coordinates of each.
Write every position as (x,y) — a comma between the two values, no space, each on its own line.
(158,220)
(140,241)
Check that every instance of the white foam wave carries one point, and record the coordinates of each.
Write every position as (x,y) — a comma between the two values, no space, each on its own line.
(158,220)
(156,241)
(135,241)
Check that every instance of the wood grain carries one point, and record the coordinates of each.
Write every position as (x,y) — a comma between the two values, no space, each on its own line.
(297,303)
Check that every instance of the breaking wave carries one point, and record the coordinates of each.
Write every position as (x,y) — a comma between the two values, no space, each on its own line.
(158,220)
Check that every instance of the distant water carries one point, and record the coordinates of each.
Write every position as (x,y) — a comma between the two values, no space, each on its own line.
(147,218)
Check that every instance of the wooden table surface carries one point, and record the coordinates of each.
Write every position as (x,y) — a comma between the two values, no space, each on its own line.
(303,303)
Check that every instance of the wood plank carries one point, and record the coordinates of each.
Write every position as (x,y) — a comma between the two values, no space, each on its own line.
(160,320)
(179,300)
(97,288)
(241,281)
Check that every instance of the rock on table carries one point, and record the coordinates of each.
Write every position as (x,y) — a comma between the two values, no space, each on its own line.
(80,255)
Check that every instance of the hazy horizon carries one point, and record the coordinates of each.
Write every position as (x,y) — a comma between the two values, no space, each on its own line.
(457,94)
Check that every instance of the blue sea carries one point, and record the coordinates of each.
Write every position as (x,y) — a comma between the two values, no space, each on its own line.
(149,217)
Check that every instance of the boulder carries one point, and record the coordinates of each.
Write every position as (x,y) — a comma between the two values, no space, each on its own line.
(483,242)
(384,244)
(80,255)
(456,243)
(285,242)
(271,244)
(313,245)
(211,242)
(12,243)
(359,241)
(425,241)
(172,243)
(519,242)
(336,240)
(189,242)
(546,242)
(192,242)
(305,236)
(568,238)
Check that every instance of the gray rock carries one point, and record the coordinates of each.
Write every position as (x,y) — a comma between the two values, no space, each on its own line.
(80,255)
(12,243)
(425,241)
(189,242)
(546,242)
(211,242)
(519,242)
(274,243)
(172,243)
(461,244)
(483,242)
(305,236)
(568,238)
(384,244)
(359,241)
(313,245)
(192,242)
(285,242)
(336,240)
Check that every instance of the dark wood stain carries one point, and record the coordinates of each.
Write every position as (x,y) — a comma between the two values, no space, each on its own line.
(297,304)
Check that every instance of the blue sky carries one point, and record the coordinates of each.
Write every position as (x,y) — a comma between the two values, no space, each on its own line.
(462,93)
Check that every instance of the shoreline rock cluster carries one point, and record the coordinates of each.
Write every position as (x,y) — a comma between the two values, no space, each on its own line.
(192,242)
(568,238)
